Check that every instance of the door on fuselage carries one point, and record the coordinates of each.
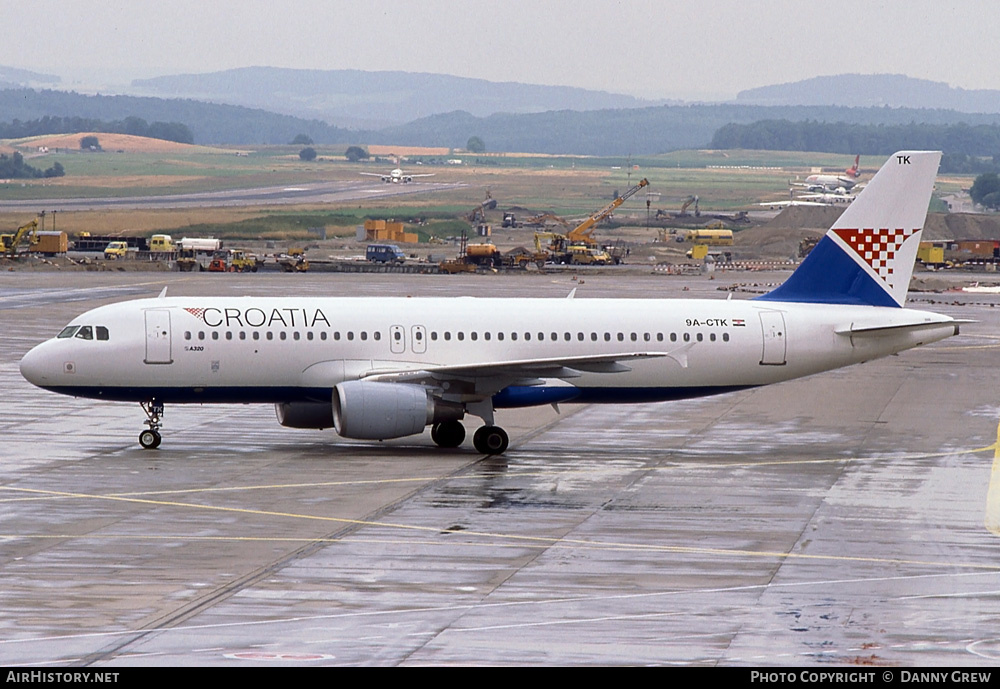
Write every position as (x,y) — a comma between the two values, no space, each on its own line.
(772,324)
(158,350)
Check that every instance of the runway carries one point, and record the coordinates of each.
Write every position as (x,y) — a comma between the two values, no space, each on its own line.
(850,518)
(314,192)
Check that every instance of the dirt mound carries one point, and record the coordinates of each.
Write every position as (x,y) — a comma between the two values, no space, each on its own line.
(962,226)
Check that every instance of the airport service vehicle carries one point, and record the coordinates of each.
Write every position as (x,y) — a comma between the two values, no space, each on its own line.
(381,368)
(384,253)
(115,250)
(162,243)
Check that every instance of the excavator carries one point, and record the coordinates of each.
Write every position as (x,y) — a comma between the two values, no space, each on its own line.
(9,243)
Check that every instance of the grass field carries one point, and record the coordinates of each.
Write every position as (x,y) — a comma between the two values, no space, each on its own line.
(569,186)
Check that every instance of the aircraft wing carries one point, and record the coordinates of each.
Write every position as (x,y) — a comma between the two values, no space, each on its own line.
(794,202)
(488,378)
(373,174)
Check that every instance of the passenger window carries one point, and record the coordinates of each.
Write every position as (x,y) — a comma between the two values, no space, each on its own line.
(513,336)
(500,335)
(712,337)
(270,335)
(68,331)
(527,336)
(364,335)
(621,337)
(447,335)
(607,337)
(673,337)
(593,337)
(434,335)
(633,337)
(283,335)
(646,337)
(309,335)
(461,335)
(555,336)
(376,335)
(296,336)
(85,333)
(659,337)
(699,337)
(256,334)
(322,335)
(486,335)
(243,335)
(215,334)
(187,334)
(579,336)
(102,333)
(336,335)
(473,335)
(397,336)
(687,337)
(566,336)
(725,337)
(201,334)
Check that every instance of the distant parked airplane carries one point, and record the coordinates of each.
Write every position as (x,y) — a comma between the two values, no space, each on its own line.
(834,183)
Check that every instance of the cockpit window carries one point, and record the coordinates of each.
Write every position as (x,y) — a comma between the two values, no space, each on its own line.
(85,333)
(68,331)
(102,332)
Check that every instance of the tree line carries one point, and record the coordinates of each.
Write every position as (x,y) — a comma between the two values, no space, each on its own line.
(14,167)
(967,148)
(136,126)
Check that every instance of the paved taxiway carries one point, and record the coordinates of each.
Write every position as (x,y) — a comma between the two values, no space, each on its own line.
(313,192)
(846,518)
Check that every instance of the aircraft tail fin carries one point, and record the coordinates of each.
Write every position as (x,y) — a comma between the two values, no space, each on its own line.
(854,170)
(867,256)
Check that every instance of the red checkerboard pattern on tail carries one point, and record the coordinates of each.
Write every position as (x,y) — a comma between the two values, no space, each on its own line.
(877,247)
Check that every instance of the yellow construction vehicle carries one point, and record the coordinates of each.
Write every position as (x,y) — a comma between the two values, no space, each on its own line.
(9,243)
(581,233)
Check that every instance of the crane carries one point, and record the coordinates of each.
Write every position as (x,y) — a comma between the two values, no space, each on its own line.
(581,233)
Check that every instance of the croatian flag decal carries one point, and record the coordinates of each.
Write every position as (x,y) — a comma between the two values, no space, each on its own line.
(877,248)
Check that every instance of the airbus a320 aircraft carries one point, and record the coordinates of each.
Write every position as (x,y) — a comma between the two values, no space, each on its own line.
(397,176)
(379,368)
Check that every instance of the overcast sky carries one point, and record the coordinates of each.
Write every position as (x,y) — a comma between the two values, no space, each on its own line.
(709,49)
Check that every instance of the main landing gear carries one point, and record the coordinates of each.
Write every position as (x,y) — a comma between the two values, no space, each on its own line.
(491,440)
(150,438)
(488,440)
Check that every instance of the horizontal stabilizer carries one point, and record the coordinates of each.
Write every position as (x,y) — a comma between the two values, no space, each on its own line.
(876,330)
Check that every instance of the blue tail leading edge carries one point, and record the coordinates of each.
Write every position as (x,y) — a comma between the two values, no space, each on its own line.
(867,257)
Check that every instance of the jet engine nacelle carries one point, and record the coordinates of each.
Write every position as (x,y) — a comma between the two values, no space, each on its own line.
(305,414)
(378,411)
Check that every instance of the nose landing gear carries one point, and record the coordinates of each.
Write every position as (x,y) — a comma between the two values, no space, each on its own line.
(150,438)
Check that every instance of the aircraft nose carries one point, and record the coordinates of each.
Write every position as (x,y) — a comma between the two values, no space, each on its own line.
(36,366)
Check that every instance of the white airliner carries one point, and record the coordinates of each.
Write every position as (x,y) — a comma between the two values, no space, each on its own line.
(839,184)
(397,176)
(378,368)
